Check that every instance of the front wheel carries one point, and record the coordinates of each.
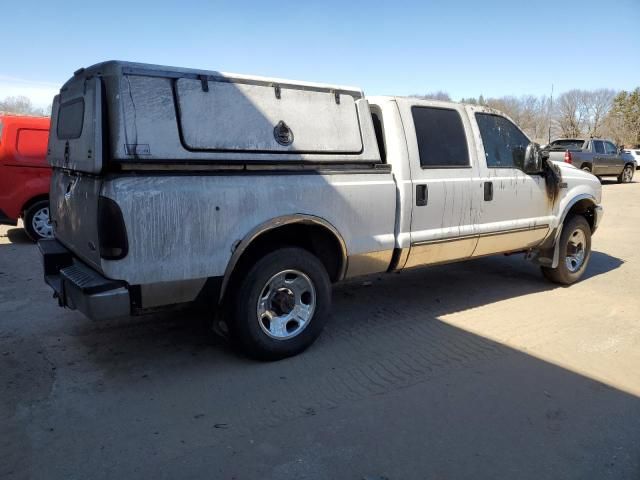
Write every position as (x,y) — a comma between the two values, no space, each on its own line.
(37,222)
(281,304)
(627,174)
(575,251)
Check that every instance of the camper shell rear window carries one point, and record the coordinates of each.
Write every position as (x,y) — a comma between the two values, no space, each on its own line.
(70,119)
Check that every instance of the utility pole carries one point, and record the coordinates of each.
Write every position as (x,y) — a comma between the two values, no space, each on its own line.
(550,112)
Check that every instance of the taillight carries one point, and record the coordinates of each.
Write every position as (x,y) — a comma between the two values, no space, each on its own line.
(112,232)
(567,157)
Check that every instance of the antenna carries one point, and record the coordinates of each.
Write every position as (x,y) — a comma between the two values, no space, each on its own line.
(550,112)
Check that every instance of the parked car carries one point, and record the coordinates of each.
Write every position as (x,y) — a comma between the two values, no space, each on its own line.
(25,174)
(255,195)
(633,154)
(598,156)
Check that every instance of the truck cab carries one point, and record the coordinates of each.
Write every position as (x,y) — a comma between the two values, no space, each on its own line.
(470,193)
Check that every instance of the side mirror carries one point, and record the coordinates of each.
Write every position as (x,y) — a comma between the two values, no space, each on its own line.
(533,159)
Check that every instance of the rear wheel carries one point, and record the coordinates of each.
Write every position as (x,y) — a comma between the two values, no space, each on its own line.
(586,168)
(575,251)
(627,174)
(37,222)
(281,304)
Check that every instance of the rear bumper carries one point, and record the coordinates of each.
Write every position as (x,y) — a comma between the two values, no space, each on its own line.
(5,220)
(81,288)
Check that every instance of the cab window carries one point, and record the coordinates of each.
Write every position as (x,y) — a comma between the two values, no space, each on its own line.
(610,148)
(442,142)
(598,146)
(504,143)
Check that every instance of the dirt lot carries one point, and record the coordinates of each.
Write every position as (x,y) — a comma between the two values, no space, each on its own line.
(475,370)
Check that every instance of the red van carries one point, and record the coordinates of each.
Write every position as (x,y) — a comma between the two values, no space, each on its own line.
(25,174)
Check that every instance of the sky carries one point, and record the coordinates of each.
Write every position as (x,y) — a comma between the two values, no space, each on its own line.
(466,48)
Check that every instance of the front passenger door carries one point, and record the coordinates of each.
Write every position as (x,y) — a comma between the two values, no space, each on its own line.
(515,212)
(614,160)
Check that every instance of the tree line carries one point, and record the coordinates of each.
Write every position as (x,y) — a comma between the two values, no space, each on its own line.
(574,114)
(21,105)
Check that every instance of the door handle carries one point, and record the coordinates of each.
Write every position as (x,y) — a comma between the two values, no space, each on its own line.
(488,191)
(422,195)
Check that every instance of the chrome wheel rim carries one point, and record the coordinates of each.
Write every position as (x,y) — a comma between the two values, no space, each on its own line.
(41,223)
(576,250)
(627,175)
(286,304)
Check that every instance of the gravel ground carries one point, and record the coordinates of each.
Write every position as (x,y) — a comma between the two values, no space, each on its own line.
(474,370)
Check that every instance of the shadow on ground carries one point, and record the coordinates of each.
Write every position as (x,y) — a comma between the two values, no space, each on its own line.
(389,391)
(18,236)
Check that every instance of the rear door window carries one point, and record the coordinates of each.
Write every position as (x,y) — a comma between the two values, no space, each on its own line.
(504,143)
(598,146)
(70,119)
(442,142)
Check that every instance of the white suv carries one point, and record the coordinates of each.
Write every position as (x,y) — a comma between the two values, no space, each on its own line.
(633,153)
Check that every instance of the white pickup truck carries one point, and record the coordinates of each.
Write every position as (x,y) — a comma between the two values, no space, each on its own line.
(254,195)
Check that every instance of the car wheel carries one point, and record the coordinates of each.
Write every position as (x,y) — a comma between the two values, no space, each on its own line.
(627,174)
(575,252)
(281,305)
(587,168)
(37,222)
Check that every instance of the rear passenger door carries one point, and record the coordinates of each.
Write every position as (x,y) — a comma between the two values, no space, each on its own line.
(600,162)
(515,211)
(440,150)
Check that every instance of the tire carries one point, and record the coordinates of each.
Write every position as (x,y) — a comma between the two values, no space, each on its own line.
(586,168)
(281,283)
(627,174)
(576,230)
(36,221)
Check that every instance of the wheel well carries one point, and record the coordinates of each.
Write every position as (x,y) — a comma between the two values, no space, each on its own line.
(31,201)
(315,238)
(586,208)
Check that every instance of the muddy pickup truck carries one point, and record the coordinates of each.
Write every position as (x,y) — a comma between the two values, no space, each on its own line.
(254,195)
(597,156)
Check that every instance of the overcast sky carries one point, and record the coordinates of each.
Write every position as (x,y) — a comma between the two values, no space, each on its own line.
(466,48)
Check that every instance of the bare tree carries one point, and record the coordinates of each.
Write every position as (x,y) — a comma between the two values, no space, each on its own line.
(21,105)
(571,113)
(529,112)
(598,103)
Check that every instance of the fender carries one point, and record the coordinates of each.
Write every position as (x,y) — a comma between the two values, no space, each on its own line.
(241,246)
(567,208)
